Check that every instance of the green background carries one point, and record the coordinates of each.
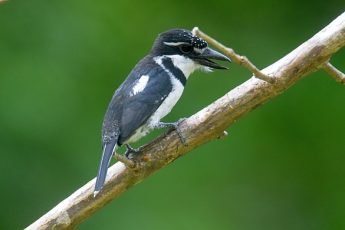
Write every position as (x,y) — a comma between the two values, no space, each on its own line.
(281,167)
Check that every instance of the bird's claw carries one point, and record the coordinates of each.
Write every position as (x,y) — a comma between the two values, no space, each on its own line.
(179,133)
(175,126)
(130,150)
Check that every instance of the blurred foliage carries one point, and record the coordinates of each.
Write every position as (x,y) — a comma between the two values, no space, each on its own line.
(281,167)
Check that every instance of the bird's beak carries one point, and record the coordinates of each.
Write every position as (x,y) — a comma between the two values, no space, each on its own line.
(207,54)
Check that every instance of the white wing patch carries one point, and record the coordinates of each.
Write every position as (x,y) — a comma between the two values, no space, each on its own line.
(140,85)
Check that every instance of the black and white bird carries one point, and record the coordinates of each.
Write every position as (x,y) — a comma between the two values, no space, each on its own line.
(151,90)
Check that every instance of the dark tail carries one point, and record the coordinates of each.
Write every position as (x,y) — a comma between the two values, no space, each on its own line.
(108,150)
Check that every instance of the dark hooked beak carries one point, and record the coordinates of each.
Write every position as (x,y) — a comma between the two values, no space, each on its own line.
(207,54)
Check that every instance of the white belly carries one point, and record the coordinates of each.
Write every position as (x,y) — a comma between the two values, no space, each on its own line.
(168,103)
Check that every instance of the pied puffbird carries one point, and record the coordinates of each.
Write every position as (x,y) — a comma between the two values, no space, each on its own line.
(151,90)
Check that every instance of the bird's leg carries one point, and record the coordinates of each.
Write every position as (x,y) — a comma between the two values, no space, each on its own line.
(173,125)
(130,150)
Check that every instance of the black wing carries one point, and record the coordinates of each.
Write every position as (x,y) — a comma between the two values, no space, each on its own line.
(128,112)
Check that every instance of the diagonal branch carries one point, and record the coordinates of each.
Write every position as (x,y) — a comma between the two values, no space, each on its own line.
(200,128)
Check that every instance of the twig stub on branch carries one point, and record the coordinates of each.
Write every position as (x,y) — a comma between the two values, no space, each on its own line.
(334,72)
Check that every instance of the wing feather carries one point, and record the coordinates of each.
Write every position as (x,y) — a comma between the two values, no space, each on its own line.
(132,111)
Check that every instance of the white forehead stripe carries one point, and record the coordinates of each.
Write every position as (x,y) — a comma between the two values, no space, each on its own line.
(199,51)
(194,30)
(176,43)
(140,85)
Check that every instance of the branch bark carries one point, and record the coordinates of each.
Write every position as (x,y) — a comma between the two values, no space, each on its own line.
(200,128)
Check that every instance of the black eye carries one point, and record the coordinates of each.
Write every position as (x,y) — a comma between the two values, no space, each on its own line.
(186,49)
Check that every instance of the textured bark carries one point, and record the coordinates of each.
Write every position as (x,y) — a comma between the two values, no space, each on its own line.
(204,126)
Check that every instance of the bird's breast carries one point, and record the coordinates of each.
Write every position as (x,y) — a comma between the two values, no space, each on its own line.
(168,103)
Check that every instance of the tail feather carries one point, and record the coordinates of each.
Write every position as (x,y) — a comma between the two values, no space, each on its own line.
(108,150)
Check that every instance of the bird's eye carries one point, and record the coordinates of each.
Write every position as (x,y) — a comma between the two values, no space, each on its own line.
(186,49)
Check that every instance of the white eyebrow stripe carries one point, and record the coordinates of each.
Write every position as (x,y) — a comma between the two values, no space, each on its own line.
(176,43)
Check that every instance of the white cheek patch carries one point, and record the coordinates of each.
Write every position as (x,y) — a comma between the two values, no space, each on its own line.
(140,85)
(186,65)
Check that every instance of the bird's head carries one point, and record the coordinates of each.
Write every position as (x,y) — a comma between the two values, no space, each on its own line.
(183,43)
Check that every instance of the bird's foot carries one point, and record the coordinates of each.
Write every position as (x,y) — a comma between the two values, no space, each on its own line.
(130,151)
(175,126)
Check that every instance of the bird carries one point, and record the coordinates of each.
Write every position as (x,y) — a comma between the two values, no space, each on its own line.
(151,90)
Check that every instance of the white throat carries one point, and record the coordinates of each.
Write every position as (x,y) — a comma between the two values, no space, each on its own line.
(186,65)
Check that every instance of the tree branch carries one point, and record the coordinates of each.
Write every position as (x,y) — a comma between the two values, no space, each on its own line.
(200,128)
(238,59)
